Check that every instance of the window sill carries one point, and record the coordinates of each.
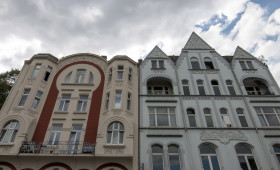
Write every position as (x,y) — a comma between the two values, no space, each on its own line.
(158,68)
(6,144)
(114,146)
(60,112)
(78,112)
(78,84)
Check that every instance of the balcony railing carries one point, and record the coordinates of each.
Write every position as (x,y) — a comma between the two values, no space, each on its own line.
(69,148)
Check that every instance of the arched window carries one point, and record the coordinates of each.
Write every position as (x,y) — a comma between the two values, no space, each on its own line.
(230,87)
(157,156)
(186,89)
(115,133)
(208,117)
(110,75)
(208,63)
(245,157)
(200,87)
(9,132)
(90,78)
(174,157)
(216,88)
(191,116)
(276,148)
(225,117)
(241,117)
(209,157)
(80,76)
(68,77)
(195,63)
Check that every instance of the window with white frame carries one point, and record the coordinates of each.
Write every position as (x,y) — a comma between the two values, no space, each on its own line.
(107,101)
(68,77)
(36,100)
(208,63)
(74,139)
(110,75)
(80,76)
(130,74)
(82,103)
(55,135)
(208,117)
(230,87)
(209,157)
(174,157)
(9,132)
(268,116)
(216,88)
(225,117)
(157,157)
(162,116)
(276,148)
(245,157)
(195,63)
(36,71)
(242,117)
(118,99)
(64,103)
(246,65)
(200,87)
(47,73)
(90,81)
(186,88)
(24,97)
(115,133)
(120,72)
(191,116)
(128,101)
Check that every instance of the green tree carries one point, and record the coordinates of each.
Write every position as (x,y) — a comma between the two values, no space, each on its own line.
(7,81)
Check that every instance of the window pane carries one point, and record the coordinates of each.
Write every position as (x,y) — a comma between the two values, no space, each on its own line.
(242,149)
(252,162)
(152,120)
(209,121)
(272,120)
(195,65)
(156,149)
(201,90)
(192,121)
(162,120)
(205,162)
(206,149)
(109,136)
(154,64)
(174,162)
(209,65)
(115,137)
(157,162)
(242,162)
(231,90)
(242,64)
(162,110)
(121,138)
(173,149)
(243,121)
(250,65)
(186,90)
(276,148)
(173,120)
(262,120)
(215,163)
(268,110)
(22,101)
(161,63)
(216,90)
(90,78)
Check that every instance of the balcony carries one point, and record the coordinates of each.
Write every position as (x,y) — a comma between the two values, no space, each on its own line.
(65,148)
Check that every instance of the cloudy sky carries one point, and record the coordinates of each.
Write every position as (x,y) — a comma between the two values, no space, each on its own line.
(133,28)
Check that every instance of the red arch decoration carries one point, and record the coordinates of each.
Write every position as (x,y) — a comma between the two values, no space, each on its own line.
(94,112)
(112,164)
(8,165)
(56,164)
(26,169)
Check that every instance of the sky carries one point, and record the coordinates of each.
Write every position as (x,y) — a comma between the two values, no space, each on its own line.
(133,28)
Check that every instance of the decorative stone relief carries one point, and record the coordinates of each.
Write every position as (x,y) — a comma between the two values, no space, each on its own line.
(117,111)
(223,136)
(159,71)
(204,71)
(119,84)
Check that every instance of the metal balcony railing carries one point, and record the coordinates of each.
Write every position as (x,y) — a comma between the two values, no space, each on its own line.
(68,148)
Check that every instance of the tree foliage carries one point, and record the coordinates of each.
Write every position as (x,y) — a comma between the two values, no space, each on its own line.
(7,81)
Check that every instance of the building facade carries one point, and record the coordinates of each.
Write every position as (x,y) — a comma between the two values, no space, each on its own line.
(79,112)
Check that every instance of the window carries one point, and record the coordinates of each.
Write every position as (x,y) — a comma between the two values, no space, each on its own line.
(186,89)
(107,101)
(36,100)
(110,75)
(208,63)
(36,71)
(64,103)
(161,63)
(47,73)
(157,156)
(276,149)
(241,117)
(246,64)
(130,74)
(174,157)
(191,116)
(158,90)
(245,157)
(162,116)
(157,64)
(67,78)
(128,101)
(82,103)
(80,76)
(209,157)
(154,63)
(120,72)
(195,63)
(90,81)
(225,117)
(230,87)
(208,117)
(9,132)
(269,116)
(118,99)
(55,135)
(253,90)
(24,97)
(115,133)
(200,87)
(74,139)
(216,88)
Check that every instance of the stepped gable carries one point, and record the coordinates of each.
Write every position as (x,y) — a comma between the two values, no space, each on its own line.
(157,53)
(241,53)
(197,43)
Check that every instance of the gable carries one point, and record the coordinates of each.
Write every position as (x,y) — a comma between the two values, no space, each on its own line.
(197,43)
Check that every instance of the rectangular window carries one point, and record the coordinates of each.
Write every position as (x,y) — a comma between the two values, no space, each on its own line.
(243,65)
(110,75)
(268,116)
(249,64)
(24,97)
(195,65)
(64,103)
(36,100)
(129,74)
(162,116)
(82,103)
(55,135)
(128,101)
(209,65)
(246,64)
(161,63)
(107,101)
(80,76)
(36,71)
(154,63)
(120,72)
(118,99)
(201,90)
(157,64)
(74,139)
(47,73)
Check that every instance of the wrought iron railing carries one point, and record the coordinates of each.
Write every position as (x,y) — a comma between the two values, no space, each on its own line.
(69,148)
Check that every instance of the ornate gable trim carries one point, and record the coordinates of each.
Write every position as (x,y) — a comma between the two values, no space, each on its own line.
(196,43)
(156,53)
(241,53)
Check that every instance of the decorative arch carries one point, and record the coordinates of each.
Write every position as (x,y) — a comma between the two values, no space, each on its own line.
(127,125)
(8,165)
(112,164)
(56,164)
(173,82)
